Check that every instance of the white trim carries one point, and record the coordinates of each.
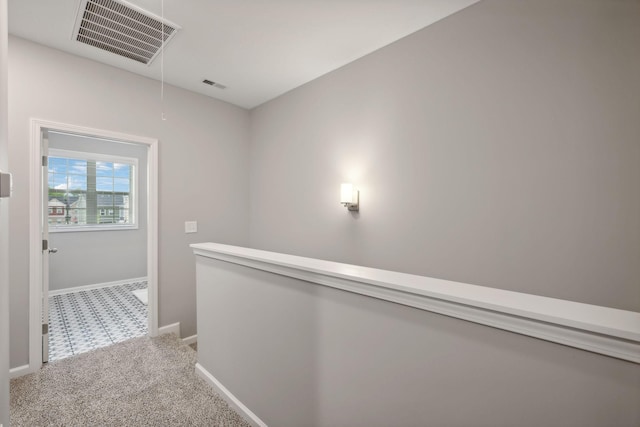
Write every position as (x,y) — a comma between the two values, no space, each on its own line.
(84,228)
(95,286)
(152,236)
(35,252)
(602,330)
(19,371)
(88,155)
(233,401)
(36,209)
(190,340)
(173,328)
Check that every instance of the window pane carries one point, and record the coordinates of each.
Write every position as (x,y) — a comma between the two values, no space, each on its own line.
(77,183)
(107,216)
(105,200)
(57,165)
(79,216)
(57,182)
(104,169)
(90,192)
(77,167)
(104,184)
(121,185)
(121,170)
(124,216)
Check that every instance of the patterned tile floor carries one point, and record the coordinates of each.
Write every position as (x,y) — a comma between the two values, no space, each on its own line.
(86,320)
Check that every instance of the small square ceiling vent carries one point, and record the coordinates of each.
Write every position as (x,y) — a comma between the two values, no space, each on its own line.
(122,28)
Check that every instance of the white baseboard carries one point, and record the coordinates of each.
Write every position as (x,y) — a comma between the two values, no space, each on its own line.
(95,286)
(190,340)
(229,397)
(19,371)
(169,329)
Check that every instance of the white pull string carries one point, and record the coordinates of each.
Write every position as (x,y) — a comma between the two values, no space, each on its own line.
(164,117)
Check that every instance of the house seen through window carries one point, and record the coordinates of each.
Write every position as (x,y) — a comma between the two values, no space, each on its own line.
(88,191)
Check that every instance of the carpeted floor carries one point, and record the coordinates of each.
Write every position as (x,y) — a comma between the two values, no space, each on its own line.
(141,382)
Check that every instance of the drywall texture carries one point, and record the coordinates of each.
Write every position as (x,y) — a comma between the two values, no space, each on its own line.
(93,257)
(203,165)
(4,224)
(327,357)
(498,147)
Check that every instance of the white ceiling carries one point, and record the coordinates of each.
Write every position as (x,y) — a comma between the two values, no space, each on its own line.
(259,49)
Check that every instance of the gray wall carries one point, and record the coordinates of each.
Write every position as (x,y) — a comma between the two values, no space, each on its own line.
(4,226)
(93,257)
(299,354)
(497,147)
(203,165)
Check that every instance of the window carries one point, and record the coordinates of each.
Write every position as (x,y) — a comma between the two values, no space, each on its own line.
(91,191)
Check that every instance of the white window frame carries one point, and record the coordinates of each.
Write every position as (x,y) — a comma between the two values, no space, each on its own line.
(81,155)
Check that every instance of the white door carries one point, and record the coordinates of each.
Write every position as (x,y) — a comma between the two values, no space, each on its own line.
(47,250)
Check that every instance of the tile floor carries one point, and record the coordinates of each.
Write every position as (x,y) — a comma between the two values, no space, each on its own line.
(86,320)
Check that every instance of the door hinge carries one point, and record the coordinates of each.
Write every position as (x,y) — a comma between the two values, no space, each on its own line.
(45,328)
(45,245)
(5,184)
(45,161)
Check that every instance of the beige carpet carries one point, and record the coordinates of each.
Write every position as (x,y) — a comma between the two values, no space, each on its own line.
(140,382)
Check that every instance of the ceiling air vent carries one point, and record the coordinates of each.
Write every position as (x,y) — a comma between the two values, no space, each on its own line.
(122,28)
(214,84)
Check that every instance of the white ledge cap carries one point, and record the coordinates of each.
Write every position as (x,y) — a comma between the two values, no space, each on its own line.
(429,294)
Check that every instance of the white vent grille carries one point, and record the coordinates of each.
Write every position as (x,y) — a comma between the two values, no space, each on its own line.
(214,84)
(122,28)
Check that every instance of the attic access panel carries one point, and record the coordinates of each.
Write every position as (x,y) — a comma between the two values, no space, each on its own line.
(122,28)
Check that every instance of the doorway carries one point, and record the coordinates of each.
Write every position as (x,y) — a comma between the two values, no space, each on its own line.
(94,193)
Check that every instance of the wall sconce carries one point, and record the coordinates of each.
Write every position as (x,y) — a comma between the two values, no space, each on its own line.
(349,197)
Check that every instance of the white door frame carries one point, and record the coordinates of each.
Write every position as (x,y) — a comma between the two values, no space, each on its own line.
(4,221)
(35,238)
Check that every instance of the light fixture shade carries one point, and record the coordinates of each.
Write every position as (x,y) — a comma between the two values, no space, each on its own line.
(350,197)
(346,193)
